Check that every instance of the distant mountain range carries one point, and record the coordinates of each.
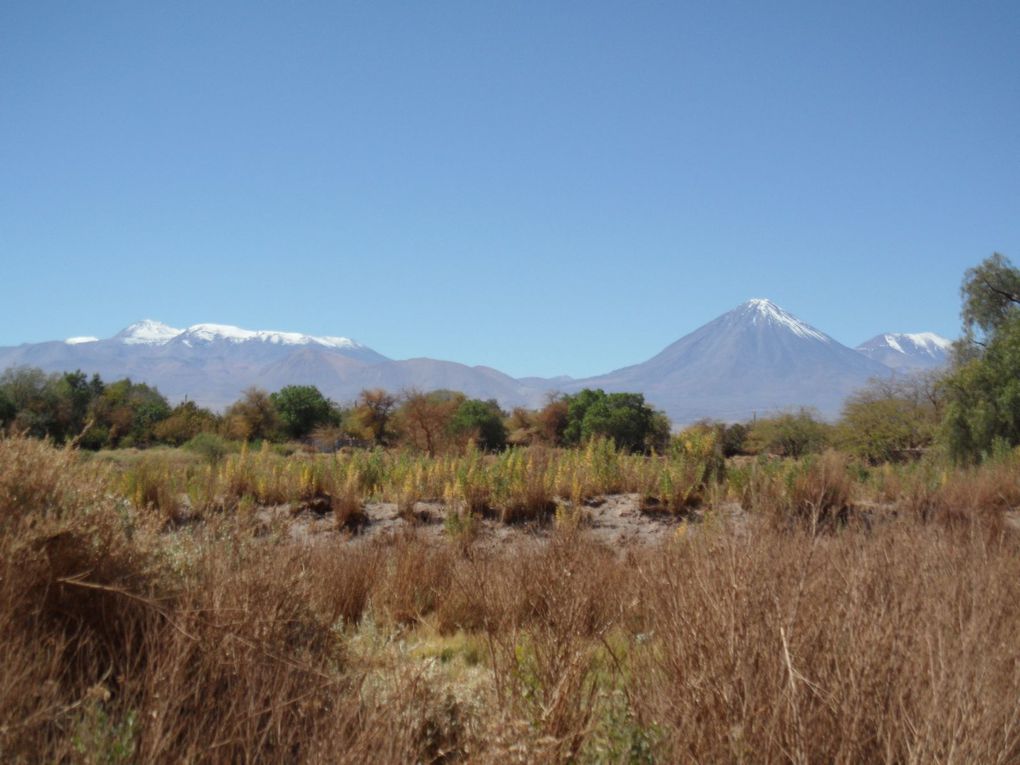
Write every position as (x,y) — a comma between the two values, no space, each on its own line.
(908,352)
(755,359)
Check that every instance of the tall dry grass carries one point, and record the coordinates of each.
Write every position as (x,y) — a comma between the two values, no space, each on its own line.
(128,640)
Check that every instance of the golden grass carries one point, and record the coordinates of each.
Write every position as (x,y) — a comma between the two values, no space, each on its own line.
(130,640)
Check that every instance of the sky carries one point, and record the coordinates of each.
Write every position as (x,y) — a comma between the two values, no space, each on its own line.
(544,188)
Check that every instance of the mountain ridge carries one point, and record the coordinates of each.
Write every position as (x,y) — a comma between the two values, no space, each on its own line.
(752,360)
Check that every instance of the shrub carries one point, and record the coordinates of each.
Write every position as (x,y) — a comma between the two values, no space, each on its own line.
(480,421)
(209,446)
(789,435)
(302,408)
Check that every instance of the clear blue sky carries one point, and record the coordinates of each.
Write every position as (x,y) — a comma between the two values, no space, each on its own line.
(541,187)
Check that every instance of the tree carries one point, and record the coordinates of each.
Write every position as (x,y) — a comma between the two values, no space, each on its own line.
(32,395)
(253,417)
(792,434)
(481,421)
(891,419)
(126,413)
(186,421)
(7,409)
(552,419)
(991,296)
(302,408)
(424,419)
(982,391)
(371,416)
(623,417)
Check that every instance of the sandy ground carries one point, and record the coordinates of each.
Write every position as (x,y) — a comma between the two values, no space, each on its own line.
(617,520)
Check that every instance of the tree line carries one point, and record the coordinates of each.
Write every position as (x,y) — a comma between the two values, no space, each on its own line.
(970,411)
(95,415)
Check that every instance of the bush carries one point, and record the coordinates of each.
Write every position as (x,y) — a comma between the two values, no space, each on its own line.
(481,421)
(302,408)
(623,417)
(211,447)
(890,420)
(789,435)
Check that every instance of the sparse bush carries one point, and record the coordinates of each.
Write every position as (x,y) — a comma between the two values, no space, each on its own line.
(209,446)
(890,420)
(789,435)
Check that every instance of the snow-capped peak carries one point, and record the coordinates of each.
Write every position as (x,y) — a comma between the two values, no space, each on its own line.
(81,340)
(763,310)
(912,343)
(906,350)
(147,332)
(207,333)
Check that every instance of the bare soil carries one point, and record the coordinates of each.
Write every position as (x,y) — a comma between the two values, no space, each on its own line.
(618,520)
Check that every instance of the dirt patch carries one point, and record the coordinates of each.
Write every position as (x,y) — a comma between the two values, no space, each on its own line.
(617,520)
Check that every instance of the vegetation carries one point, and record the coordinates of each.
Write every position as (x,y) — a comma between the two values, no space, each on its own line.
(983,391)
(177,585)
(130,639)
(302,408)
(892,420)
(623,417)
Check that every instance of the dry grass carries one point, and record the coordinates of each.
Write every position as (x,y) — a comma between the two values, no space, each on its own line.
(128,640)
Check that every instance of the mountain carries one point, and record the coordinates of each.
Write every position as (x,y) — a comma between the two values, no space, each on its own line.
(755,359)
(212,364)
(908,352)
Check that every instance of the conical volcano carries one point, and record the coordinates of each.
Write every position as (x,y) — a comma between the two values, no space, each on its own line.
(755,359)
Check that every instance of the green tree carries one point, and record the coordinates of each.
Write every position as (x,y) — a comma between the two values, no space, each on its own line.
(991,297)
(7,409)
(75,393)
(128,413)
(891,420)
(33,396)
(623,417)
(186,421)
(302,408)
(982,391)
(482,421)
(792,434)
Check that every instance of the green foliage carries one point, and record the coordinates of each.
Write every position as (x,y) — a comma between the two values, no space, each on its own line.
(211,447)
(623,417)
(130,411)
(7,409)
(982,393)
(789,435)
(891,420)
(59,406)
(186,421)
(991,295)
(983,398)
(33,396)
(733,438)
(481,421)
(302,408)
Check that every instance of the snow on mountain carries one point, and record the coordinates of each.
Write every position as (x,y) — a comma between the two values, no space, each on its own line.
(754,359)
(765,311)
(908,351)
(147,332)
(209,333)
